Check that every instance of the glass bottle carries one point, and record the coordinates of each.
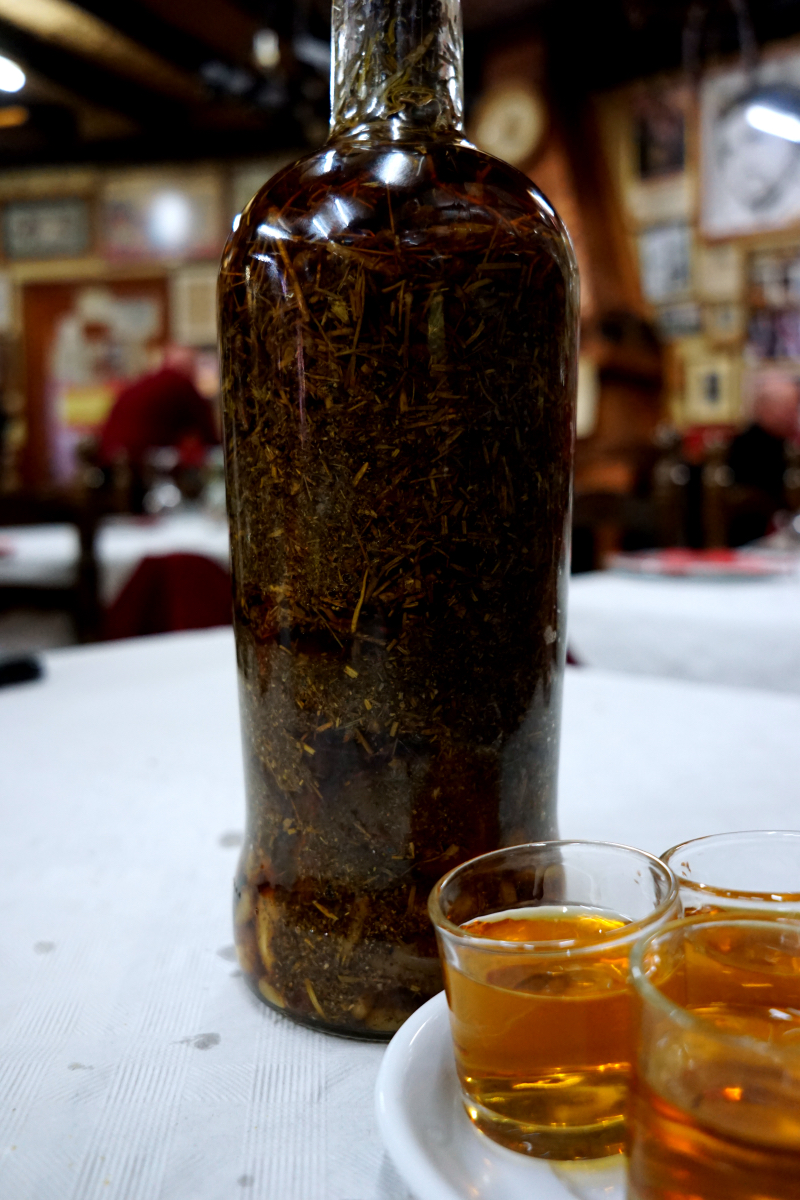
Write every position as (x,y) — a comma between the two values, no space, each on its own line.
(398,327)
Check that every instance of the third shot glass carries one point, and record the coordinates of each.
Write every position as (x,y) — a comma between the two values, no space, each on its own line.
(715,1107)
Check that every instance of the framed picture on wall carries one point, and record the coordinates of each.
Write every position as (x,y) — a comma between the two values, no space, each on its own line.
(193,305)
(665,261)
(750,179)
(678,320)
(644,129)
(724,322)
(712,390)
(46,228)
(659,132)
(720,272)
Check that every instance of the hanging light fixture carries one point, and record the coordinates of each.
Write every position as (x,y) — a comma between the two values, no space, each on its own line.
(775,110)
(267,49)
(12,77)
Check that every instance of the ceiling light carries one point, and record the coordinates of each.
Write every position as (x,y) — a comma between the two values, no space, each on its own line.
(776,111)
(12,77)
(267,49)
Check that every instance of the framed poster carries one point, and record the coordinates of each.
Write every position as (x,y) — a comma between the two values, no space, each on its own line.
(750,179)
(163,215)
(46,228)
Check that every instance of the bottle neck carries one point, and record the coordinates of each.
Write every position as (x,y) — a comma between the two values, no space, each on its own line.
(397,64)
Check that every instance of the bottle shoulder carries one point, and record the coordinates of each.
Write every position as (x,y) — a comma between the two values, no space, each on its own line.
(413,194)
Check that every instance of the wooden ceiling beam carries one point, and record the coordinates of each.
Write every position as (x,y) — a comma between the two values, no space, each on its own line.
(70,28)
(222,26)
(88,80)
(149,28)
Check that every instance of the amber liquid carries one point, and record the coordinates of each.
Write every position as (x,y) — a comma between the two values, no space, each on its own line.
(401,721)
(711,1125)
(543,1044)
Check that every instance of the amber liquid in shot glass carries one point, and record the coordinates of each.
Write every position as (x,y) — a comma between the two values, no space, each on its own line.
(715,1106)
(545,1046)
(535,943)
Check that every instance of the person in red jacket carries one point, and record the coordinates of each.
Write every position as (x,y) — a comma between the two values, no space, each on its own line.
(163,408)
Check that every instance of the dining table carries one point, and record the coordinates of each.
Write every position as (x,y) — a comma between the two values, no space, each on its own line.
(47,555)
(740,631)
(135,1063)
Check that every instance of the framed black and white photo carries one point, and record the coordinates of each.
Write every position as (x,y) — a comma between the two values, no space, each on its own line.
(750,179)
(46,228)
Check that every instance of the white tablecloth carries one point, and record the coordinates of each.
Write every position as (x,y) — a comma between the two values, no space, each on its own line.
(135,1064)
(743,632)
(47,555)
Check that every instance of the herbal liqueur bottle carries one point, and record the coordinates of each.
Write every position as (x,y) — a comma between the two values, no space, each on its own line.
(398,322)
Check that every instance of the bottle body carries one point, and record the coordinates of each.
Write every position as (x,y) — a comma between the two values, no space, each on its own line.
(399,343)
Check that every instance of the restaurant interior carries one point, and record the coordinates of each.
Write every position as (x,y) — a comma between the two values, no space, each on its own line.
(153,412)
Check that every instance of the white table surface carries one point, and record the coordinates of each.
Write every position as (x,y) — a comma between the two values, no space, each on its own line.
(47,555)
(744,632)
(135,1064)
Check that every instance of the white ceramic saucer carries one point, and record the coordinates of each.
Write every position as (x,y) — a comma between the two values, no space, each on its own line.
(436,1148)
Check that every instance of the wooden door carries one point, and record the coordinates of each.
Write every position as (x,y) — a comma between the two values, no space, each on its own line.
(66,398)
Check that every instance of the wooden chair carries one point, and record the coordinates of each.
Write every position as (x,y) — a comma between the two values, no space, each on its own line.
(80,598)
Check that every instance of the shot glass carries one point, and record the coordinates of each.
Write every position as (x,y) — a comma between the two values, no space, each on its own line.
(757,872)
(535,943)
(715,1098)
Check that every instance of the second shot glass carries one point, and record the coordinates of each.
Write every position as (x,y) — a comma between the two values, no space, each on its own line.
(756,872)
(535,942)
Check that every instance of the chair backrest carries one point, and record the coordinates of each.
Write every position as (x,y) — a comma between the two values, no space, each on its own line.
(82,598)
(169,593)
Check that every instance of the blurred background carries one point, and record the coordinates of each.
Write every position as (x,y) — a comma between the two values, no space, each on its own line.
(132,134)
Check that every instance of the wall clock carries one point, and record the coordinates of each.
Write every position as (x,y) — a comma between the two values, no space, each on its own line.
(510,122)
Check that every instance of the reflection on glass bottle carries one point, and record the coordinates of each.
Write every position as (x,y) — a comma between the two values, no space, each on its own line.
(398,316)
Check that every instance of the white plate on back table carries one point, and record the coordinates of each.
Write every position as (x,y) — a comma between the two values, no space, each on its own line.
(436,1148)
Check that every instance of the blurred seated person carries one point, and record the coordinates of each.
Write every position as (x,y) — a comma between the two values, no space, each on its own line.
(162,408)
(757,456)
